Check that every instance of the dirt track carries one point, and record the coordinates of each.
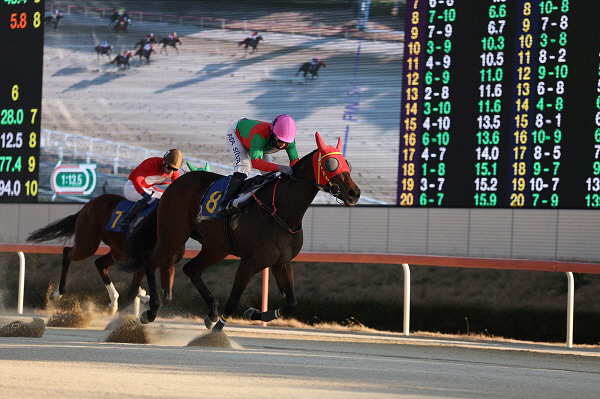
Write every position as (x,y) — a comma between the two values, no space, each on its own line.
(284,363)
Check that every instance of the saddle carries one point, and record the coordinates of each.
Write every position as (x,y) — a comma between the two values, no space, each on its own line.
(211,199)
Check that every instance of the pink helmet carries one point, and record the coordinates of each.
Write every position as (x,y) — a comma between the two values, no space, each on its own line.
(284,127)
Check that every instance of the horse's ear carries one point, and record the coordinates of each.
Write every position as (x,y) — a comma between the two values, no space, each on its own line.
(339,145)
(320,143)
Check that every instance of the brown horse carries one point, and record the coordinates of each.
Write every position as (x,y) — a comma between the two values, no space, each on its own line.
(88,227)
(267,232)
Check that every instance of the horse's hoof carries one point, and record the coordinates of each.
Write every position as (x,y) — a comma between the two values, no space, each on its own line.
(251,312)
(113,307)
(55,296)
(208,322)
(144,318)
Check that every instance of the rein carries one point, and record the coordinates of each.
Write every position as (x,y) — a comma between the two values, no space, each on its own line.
(273,211)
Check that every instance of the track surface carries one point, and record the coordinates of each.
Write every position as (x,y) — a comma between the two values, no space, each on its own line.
(285,363)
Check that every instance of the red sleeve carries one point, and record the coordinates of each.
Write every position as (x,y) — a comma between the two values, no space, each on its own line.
(292,163)
(149,167)
(175,175)
(263,165)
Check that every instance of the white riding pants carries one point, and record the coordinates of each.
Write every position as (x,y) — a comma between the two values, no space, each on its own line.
(132,195)
(241,156)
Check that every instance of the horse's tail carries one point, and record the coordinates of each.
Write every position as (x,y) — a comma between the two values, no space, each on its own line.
(63,228)
(140,243)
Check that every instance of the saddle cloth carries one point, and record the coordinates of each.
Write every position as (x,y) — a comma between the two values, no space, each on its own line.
(121,210)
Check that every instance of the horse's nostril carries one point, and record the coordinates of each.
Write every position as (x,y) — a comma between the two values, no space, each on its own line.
(352,194)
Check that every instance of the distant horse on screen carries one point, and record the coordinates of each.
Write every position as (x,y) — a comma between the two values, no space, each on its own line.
(250,42)
(122,60)
(88,228)
(144,53)
(169,42)
(51,20)
(312,69)
(121,25)
(103,50)
(267,232)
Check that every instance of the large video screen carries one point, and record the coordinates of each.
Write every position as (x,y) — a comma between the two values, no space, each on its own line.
(439,103)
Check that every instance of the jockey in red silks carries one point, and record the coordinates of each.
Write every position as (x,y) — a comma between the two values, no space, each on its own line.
(141,186)
(252,142)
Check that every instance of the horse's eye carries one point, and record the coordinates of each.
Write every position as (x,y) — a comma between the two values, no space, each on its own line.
(349,165)
(331,164)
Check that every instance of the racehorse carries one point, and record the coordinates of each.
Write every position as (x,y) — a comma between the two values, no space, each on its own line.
(51,20)
(88,227)
(143,42)
(122,60)
(250,42)
(313,70)
(121,25)
(169,42)
(144,53)
(267,232)
(115,16)
(103,51)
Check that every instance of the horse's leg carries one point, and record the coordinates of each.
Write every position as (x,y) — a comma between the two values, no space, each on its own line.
(167,276)
(63,275)
(194,269)
(284,277)
(243,275)
(134,287)
(150,314)
(102,264)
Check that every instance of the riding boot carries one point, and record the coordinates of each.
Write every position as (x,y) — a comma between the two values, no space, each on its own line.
(133,212)
(226,207)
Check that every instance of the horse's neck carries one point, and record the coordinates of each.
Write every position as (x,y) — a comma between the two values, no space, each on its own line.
(294,197)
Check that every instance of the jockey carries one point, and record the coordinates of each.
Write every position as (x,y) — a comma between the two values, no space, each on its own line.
(149,37)
(55,14)
(172,36)
(254,36)
(105,44)
(252,142)
(127,53)
(140,188)
(148,46)
(314,61)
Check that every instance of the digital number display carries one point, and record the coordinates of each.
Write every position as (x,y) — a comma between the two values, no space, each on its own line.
(22,34)
(501,104)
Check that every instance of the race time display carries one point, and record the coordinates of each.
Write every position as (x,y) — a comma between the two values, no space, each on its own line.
(22,33)
(501,104)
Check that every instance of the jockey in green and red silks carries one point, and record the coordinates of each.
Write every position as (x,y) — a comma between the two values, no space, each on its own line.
(252,142)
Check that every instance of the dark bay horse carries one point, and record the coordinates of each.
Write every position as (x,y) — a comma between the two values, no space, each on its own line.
(313,70)
(87,227)
(267,232)
(169,42)
(122,60)
(121,25)
(250,42)
(143,42)
(144,53)
(51,20)
(103,51)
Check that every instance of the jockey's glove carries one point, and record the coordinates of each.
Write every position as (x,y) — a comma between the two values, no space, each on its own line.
(285,169)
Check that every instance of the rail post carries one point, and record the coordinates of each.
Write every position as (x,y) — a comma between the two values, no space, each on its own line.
(406,323)
(265,293)
(570,307)
(21,282)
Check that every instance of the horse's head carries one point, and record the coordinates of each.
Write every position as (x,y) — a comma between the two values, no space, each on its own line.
(332,172)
